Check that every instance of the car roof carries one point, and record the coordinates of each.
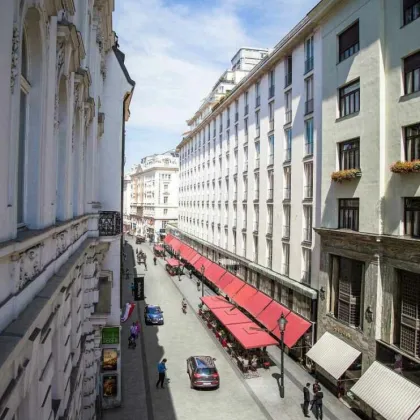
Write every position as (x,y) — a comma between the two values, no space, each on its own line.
(152,306)
(204,361)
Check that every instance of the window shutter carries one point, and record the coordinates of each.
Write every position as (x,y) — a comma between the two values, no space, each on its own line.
(349,37)
(412,62)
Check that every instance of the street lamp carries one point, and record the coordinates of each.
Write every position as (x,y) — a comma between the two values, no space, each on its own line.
(179,264)
(282,321)
(202,270)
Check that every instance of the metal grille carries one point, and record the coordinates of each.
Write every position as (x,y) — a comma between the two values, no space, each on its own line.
(409,340)
(109,223)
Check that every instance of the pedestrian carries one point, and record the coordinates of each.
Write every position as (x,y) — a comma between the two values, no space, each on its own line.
(133,330)
(162,373)
(306,399)
(315,388)
(318,403)
(137,329)
(191,273)
(133,288)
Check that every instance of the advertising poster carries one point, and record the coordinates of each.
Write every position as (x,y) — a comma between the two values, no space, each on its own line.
(109,359)
(109,385)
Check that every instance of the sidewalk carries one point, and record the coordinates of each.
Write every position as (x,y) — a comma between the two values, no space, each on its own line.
(266,387)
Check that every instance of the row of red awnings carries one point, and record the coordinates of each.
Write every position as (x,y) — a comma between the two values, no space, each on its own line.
(262,307)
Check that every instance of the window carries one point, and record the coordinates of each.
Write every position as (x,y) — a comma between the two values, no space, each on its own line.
(236,111)
(309,54)
(347,305)
(228,117)
(309,137)
(271,116)
(410,313)
(244,244)
(350,99)
(287,183)
(270,194)
(286,221)
(350,155)
(348,42)
(256,217)
(306,271)
(269,220)
(246,103)
(271,84)
(309,89)
(307,230)
(236,135)
(165,200)
(288,107)
(255,250)
(257,154)
(348,213)
(411,10)
(412,73)
(257,186)
(286,254)
(257,95)
(246,129)
(271,150)
(257,124)
(245,187)
(288,144)
(308,187)
(412,142)
(288,71)
(412,216)
(244,211)
(165,211)
(245,158)
(269,254)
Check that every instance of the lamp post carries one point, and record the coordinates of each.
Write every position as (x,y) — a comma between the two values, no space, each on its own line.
(202,270)
(282,326)
(179,264)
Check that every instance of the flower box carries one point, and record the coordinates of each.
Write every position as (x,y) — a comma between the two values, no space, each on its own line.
(346,175)
(406,167)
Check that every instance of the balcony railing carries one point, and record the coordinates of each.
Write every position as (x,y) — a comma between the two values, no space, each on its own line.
(246,110)
(306,277)
(286,232)
(257,163)
(287,80)
(271,91)
(309,148)
(270,194)
(270,228)
(288,116)
(309,64)
(308,191)
(307,235)
(109,223)
(270,160)
(285,269)
(257,101)
(309,106)
(271,125)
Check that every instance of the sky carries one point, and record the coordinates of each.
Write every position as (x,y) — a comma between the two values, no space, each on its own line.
(177,49)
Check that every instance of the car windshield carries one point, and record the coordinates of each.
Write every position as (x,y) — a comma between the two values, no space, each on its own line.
(154,310)
(206,371)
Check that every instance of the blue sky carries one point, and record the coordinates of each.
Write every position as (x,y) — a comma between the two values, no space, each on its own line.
(177,49)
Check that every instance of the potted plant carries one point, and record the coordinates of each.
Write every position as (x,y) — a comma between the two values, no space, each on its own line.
(345,175)
(406,167)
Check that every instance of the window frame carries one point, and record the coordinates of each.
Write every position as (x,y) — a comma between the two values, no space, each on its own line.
(351,49)
(309,145)
(342,208)
(413,63)
(342,96)
(414,145)
(344,153)
(412,226)
(410,7)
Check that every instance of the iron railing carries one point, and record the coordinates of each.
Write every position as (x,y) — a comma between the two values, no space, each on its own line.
(109,223)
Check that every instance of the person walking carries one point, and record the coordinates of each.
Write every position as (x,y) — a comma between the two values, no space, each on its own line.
(318,403)
(133,288)
(315,388)
(162,373)
(133,330)
(137,329)
(306,399)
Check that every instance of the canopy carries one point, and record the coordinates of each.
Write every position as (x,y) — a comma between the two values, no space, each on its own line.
(271,314)
(173,262)
(168,238)
(228,316)
(214,272)
(225,280)
(245,294)
(388,393)
(333,355)
(195,259)
(214,302)
(192,256)
(203,261)
(256,304)
(234,287)
(295,328)
(251,336)
(185,250)
(176,244)
(158,248)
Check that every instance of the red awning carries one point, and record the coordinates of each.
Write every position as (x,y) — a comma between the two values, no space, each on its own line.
(200,262)
(214,272)
(176,244)
(225,280)
(168,238)
(215,302)
(234,286)
(158,248)
(247,292)
(296,327)
(251,336)
(185,250)
(173,262)
(229,316)
(256,304)
(192,255)
(271,314)
(194,259)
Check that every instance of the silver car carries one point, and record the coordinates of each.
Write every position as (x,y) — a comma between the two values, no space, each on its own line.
(203,372)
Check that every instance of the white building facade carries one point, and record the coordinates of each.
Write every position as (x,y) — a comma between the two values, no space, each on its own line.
(154,195)
(62,78)
(249,172)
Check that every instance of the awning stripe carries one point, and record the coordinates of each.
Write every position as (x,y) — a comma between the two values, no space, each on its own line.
(388,393)
(333,355)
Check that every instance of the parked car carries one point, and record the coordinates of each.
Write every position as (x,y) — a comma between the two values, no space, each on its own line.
(203,372)
(153,315)
(140,239)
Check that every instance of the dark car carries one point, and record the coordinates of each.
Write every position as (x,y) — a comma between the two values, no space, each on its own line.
(140,239)
(203,372)
(153,315)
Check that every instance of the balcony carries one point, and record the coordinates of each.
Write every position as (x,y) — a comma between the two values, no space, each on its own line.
(270,194)
(271,125)
(257,101)
(257,163)
(269,228)
(109,223)
(306,277)
(271,91)
(309,64)
(255,228)
(308,192)
(307,235)
(285,269)
(246,109)
(309,106)
(286,232)
(270,160)
(288,116)
(287,80)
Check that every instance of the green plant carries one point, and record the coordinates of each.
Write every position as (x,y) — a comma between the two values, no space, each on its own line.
(345,175)
(406,167)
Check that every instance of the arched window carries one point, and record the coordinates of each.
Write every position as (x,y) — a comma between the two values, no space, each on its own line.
(24,91)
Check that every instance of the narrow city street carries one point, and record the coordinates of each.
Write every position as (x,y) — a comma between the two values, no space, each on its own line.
(182,336)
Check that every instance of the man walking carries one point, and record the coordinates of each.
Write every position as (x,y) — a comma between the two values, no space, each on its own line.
(306,399)
(162,373)
(318,403)
(133,288)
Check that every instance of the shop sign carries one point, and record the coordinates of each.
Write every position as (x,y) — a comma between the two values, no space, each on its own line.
(109,359)
(342,332)
(109,386)
(111,335)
